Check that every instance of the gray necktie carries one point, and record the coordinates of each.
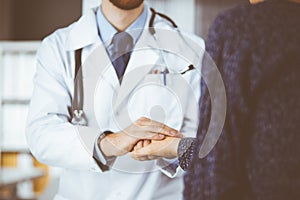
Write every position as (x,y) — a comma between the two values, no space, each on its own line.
(122,45)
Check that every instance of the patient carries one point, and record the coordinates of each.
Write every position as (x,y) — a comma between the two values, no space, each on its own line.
(257,51)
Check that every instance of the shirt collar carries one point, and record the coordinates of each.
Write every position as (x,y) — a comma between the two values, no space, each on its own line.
(107,31)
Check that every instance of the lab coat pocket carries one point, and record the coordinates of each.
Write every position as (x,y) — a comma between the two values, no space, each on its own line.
(168,79)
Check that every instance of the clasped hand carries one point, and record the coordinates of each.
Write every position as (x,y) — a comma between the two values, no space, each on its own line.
(145,139)
(154,149)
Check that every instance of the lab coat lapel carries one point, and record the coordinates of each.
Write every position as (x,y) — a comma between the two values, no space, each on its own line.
(99,65)
(98,72)
(84,34)
(144,57)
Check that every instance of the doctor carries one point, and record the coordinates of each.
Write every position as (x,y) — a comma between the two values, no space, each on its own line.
(125,102)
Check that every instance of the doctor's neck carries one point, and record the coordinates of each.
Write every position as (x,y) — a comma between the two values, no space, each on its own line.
(120,18)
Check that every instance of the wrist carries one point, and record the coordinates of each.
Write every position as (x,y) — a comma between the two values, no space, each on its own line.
(117,144)
(127,141)
(173,148)
(103,146)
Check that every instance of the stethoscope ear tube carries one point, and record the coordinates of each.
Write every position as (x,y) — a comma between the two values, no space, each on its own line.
(151,22)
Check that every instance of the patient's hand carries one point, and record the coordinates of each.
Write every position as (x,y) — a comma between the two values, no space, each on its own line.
(151,149)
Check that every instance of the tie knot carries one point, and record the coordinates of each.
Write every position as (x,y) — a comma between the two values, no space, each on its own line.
(122,43)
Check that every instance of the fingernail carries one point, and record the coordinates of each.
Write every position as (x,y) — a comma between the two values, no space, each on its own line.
(173,133)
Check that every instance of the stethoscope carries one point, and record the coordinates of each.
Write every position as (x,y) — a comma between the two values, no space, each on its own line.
(154,35)
(78,116)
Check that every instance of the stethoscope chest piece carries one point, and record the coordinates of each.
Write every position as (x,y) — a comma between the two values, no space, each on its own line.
(79,118)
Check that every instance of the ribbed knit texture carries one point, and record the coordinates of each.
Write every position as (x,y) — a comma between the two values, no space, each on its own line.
(257,50)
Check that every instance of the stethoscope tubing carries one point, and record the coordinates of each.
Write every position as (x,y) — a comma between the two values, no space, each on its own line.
(78,116)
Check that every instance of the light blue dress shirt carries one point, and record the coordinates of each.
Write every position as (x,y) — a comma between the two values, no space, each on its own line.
(107,30)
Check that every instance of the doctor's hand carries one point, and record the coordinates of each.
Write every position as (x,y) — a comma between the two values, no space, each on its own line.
(122,142)
(154,149)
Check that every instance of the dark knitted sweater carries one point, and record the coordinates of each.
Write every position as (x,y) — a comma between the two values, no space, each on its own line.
(257,50)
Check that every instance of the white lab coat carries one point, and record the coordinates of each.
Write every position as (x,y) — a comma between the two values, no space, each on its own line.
(53,140)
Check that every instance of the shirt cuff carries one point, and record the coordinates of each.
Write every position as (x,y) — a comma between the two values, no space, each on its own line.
(170,167)
(103,161)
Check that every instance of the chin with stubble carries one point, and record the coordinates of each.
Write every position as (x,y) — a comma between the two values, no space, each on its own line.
(127,4)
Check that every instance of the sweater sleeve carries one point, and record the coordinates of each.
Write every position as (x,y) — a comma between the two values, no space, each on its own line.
(185,152)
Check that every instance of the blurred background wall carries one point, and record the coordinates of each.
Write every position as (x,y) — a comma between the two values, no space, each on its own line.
(5,19)
(207,10)
(34,19)
(191,15)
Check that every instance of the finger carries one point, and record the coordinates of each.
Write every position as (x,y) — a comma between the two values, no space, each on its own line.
(152,157)
(157,137)
(146,143)
(145,151)
(142,153)
(150,131)
(138,157)
(139,145)
(144,158)
(148,135)
(149,127)
(141,134)
(157,127)
(164,129)
(142,121)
